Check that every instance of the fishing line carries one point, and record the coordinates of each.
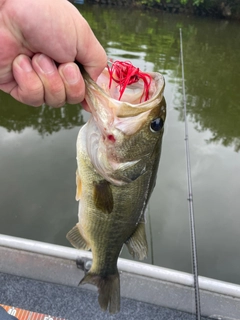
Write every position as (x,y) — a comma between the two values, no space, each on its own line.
(190,194)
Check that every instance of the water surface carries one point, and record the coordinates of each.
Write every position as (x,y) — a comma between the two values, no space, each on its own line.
(37,157)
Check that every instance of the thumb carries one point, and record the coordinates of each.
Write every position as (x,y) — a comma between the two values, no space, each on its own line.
(90,53)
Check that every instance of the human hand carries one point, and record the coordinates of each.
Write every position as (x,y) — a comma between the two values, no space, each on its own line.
(36,34)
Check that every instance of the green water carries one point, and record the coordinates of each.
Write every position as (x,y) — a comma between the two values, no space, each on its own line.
(37,145)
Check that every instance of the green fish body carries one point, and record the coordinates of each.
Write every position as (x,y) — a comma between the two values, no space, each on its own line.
(118,152)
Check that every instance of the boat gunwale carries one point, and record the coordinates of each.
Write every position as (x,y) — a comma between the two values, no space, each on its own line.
(124,265)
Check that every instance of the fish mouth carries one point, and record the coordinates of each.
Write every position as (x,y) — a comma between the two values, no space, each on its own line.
(117,125)
(127,114)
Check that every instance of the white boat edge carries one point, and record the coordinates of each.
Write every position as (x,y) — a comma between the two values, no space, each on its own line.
(139,281)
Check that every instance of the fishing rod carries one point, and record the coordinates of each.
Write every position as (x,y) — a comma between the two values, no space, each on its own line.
(190,195)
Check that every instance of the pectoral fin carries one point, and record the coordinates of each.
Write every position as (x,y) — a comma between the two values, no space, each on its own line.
(137,243)
(102,196)
(76,239)
(79,186)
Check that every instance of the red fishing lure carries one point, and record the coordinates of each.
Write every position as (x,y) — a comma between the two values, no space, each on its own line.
(124,73)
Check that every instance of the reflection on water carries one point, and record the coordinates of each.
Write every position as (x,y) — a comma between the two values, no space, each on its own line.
(37,158)
(16,117)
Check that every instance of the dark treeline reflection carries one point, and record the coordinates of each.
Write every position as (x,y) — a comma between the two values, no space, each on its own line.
(211,55)
(16,117)
(213,81)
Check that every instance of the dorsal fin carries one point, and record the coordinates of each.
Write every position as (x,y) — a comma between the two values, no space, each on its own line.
(137,243)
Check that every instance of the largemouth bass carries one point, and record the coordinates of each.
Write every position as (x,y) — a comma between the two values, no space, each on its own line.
(118,152)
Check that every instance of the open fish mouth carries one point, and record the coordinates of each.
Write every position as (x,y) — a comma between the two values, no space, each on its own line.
(125,92)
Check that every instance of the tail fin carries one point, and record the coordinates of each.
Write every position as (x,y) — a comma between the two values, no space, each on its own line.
(108,289)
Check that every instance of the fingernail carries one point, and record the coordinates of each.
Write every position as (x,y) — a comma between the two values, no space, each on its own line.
(46,64)
(25,64)
(71,73)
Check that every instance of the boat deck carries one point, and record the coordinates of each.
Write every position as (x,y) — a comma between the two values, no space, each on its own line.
(42,277)
(74,303)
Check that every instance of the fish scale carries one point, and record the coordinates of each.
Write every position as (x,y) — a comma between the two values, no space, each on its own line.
(118,152)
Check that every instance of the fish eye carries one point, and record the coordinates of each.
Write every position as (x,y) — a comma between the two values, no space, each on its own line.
(156,124)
